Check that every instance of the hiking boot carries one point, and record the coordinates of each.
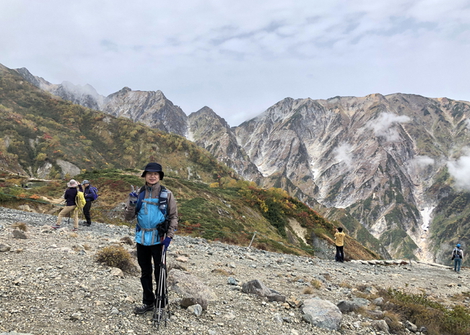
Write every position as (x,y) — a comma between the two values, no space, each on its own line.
(56,226)
(75,229)
(143,309)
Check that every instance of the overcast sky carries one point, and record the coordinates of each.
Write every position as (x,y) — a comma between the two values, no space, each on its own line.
(239,57)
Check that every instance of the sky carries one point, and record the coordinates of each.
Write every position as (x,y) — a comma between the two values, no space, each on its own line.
(241,57)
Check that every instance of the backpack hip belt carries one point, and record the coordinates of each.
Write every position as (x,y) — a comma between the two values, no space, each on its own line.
(144,230)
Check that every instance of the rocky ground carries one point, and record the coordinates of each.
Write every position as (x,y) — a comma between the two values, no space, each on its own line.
(50,283)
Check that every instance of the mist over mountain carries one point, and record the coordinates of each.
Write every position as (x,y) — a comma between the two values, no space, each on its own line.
(392,169)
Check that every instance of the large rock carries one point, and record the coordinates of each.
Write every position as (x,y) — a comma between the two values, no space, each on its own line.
(68,168)
(346,306)
(258,288)
(322,313)
(190,288)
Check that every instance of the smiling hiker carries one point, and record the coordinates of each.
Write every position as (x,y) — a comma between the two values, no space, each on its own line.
(157,220)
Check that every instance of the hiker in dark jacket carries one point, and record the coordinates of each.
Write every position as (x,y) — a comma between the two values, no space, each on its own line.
(69,196)
(89,198)
(145,204)
(457,257)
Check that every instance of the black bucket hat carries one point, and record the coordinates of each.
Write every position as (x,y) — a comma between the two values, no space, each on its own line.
(153,167)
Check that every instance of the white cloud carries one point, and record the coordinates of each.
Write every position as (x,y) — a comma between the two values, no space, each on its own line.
(459,170)
(422,161)
(343,154)
(241,57)
(383,125)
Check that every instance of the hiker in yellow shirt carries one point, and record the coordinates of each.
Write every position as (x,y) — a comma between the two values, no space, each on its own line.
(339,242)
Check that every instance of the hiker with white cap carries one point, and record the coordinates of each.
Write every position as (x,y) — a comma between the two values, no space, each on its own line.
(69,196)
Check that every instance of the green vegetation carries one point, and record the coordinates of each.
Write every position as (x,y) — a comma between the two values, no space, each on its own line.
(38,129)
(230,214)
(399,240)
(423,312)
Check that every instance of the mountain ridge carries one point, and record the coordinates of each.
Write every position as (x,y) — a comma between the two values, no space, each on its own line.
(379,157)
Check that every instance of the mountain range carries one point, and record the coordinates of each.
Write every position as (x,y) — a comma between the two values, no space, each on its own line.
(390,168)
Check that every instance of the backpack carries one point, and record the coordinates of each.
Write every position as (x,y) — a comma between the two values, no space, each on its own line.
(80,200)
(162,205)
(457,252)
(94,192)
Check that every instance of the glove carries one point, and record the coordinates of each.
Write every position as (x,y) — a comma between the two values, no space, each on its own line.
(133,197)
(166,242)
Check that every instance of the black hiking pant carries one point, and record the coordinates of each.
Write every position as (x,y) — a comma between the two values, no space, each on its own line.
(86,212)
(145,255)
(339,254)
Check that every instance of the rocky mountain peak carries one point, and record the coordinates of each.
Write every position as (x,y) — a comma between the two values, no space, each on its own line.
(384,161)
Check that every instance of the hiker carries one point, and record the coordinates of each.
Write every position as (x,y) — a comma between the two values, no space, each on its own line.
(70,193)
(146,204)
(339,242)
(457,257)
(90,195)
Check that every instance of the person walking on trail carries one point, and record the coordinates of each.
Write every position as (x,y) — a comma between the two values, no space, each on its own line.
(89,198)
(157,220)
(339,242)
(70,205)
(457,257)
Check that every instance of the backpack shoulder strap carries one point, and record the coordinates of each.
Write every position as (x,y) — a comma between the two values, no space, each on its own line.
(163,200)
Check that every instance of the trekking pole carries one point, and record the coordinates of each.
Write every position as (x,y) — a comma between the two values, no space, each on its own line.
(161,311)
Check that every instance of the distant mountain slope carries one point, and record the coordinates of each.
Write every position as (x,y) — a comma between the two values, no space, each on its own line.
(42,136)
(150,108)
(377,156)
(383,163)
(49,137)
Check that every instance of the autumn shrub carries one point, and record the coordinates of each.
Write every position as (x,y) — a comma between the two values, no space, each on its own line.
(20,225)
(308,290)
(116,256)
(316,283)
(420,310)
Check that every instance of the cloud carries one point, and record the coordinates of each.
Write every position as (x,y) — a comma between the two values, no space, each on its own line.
(382,126)
(422,161)
(241,57)
(459,170)
(343,154)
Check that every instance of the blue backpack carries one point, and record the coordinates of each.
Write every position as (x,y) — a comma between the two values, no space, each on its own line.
(94,192)
(162,205)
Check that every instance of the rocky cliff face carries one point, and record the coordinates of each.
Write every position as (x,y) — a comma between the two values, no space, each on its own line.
(382,160)
(151,108)
(375,156)
(210,131)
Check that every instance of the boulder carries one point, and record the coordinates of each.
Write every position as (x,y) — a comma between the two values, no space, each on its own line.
(322,313)
(190,288)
